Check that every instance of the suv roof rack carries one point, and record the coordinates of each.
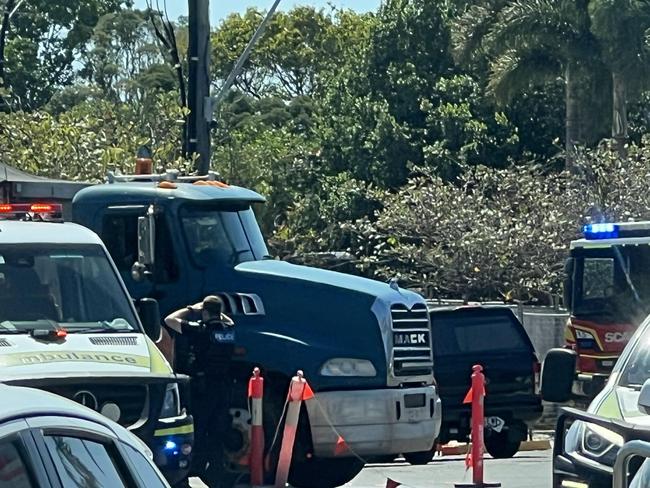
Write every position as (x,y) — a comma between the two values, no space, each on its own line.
(168,175)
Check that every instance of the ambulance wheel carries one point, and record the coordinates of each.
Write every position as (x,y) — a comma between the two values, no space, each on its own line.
(324,472)
(499,446)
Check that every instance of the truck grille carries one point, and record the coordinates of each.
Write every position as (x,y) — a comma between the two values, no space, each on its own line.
(131,399)
(411,340)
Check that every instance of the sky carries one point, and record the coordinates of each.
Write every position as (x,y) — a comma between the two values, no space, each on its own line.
(219,9)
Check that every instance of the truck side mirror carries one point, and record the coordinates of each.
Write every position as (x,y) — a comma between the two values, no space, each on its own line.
(146,245)
(150,317)
(644,398)
(558,373)
(569,266)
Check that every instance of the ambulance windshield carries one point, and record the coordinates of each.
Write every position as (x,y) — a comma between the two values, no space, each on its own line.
(73,285)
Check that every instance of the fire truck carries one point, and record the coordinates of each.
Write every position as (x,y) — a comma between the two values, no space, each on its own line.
(607,292)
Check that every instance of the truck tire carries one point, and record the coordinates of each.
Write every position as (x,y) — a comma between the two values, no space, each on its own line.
(500,446)
(324,472)
(420,458)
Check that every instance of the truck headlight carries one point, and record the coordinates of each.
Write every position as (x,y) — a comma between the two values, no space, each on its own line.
(348,367)
(600,444)
(585,339)
(171,406)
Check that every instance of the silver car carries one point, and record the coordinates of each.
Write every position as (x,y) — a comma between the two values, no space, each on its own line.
(47,441)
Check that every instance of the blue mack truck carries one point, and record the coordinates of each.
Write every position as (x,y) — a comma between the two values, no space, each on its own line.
(364,346)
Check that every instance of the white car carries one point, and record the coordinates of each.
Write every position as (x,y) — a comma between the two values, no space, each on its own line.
(47,441)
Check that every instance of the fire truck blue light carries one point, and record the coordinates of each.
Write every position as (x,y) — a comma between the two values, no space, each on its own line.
(600,231)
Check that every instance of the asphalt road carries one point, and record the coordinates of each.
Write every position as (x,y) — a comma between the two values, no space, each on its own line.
(527,469)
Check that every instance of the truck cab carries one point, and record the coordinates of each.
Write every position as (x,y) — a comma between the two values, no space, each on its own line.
(68,326)
(364,346)
(607,291)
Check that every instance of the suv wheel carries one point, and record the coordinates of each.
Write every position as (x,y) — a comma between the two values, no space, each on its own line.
(499,446)
(420,458)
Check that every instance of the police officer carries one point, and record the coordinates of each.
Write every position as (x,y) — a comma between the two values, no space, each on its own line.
(204,351)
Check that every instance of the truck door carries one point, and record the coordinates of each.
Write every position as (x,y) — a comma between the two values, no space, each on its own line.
(120,234)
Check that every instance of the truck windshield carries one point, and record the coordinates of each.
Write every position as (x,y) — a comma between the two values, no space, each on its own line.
(225,235)
(74,286)
(612,283)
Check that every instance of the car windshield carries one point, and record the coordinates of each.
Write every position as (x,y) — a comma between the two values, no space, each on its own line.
(225,235)
(74,286)
(637,368)
(612,282)
(471,332)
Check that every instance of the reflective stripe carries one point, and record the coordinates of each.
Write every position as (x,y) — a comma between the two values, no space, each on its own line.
(183,429)
(159,364)
(573,484)
(256,411)
(609,408)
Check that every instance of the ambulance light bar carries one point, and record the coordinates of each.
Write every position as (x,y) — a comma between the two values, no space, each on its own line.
(616,230)
(47,212)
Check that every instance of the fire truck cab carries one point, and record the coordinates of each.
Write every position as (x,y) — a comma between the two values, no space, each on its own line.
(607,292)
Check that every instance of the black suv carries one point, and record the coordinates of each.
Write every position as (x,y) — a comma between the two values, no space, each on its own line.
(493,337)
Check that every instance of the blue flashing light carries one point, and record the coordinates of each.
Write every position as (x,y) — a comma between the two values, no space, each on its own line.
(170,446)
(600,231)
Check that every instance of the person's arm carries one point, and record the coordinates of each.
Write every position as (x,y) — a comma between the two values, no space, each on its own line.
(175,319)
(227,320)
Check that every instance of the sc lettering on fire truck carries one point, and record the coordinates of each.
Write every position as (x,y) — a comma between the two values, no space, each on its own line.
(618,337)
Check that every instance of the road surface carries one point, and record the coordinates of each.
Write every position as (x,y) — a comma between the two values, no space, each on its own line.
(530,469)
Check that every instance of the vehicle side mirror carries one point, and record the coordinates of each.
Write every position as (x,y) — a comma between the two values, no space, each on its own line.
(558,373)
(146,246)
(644,398)
(569,267)
(150,317)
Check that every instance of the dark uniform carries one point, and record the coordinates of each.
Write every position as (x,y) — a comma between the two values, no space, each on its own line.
(210,347)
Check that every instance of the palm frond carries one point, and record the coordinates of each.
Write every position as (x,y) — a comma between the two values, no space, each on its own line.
(525,21)
(470,29)
(515,70)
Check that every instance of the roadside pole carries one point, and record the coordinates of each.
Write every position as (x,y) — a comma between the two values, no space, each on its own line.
(198,127)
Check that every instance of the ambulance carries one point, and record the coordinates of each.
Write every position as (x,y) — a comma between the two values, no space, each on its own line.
(68,326)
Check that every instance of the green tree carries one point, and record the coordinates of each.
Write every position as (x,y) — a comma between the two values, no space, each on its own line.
(533,42)
(621,27)
(297,49)
(123,58)
(41,41)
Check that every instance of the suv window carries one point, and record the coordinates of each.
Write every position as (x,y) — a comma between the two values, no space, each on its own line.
(14,471)
(120,234)
(85,463)
(464,332)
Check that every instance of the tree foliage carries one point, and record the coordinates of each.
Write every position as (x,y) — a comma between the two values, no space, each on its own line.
(424,140)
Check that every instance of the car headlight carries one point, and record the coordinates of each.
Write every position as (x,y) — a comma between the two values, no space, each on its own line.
(600,444)
(348,367)
(171,406)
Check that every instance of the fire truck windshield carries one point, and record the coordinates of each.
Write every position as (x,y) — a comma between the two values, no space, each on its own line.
(612,282)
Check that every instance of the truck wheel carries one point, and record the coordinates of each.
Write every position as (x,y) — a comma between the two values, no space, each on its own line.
(499,446)
(420,458)
(324,472)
